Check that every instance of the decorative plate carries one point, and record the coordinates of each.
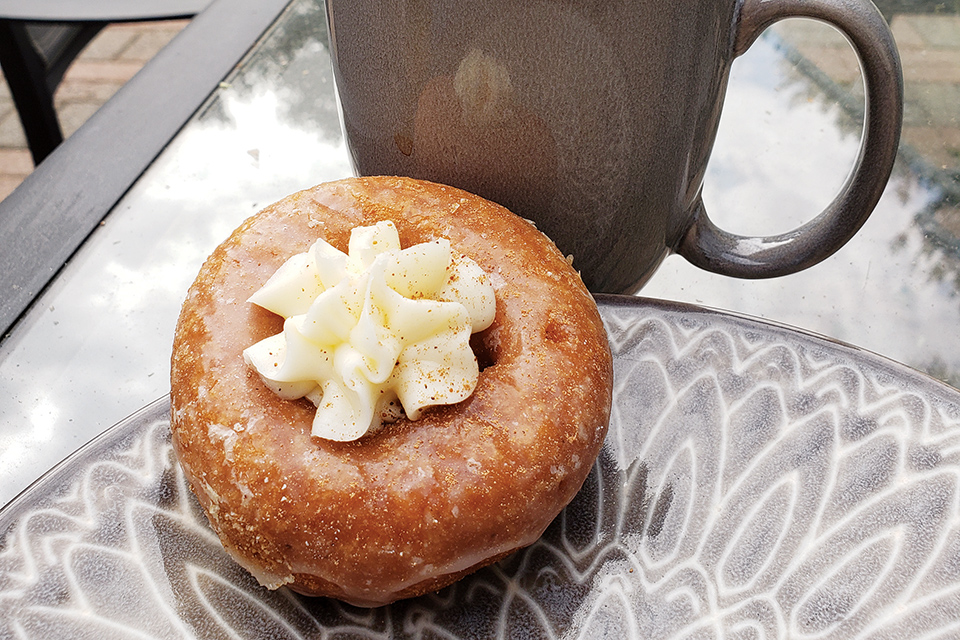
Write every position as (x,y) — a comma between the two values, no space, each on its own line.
(757,482)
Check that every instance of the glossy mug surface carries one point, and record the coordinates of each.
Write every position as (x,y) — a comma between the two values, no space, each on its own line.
(593,118)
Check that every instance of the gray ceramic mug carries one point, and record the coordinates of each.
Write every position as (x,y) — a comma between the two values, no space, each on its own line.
(594,118)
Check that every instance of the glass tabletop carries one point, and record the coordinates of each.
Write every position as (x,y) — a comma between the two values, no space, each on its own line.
(96,346)
(791,126)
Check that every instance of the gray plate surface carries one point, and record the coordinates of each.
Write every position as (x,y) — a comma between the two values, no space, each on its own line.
(757,482)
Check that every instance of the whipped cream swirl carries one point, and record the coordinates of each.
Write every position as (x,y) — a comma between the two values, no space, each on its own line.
(372,328)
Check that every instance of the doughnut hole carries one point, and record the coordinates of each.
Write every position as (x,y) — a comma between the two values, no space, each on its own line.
(484,348)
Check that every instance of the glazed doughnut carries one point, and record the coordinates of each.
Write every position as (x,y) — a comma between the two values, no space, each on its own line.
(415,505)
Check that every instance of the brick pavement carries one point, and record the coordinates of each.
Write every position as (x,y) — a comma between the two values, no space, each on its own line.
(929,46)
(112,58)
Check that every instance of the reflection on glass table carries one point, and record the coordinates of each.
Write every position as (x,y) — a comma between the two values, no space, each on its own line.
(97,345)
(790,129)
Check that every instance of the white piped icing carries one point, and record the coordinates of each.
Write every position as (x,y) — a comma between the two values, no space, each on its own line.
(373,332)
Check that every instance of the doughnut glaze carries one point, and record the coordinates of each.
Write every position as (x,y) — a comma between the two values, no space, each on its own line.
(417,505)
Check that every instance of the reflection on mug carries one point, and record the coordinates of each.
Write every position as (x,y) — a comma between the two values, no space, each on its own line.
(465,123)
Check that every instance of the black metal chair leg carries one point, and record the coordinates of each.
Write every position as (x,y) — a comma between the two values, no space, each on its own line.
(25,74)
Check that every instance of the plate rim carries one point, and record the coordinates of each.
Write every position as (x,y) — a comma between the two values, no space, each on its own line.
(9,512)
(877,360)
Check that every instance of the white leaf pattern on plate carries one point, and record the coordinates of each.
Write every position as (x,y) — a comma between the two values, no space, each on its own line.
(757,482)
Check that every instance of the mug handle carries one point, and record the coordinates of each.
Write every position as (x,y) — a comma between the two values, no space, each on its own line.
(709,247)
